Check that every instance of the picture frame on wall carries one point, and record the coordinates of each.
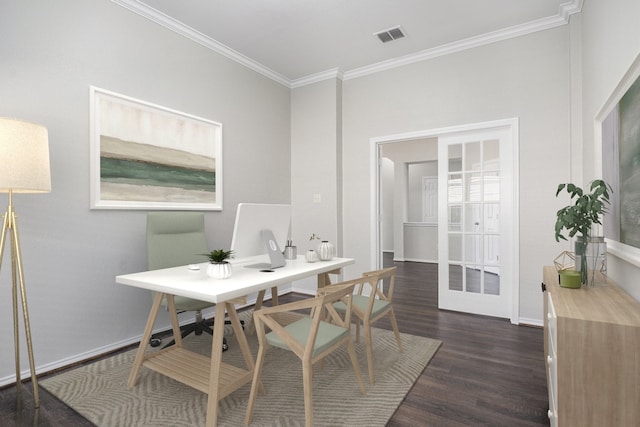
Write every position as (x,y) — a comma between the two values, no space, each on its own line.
(617,137)
(145,156)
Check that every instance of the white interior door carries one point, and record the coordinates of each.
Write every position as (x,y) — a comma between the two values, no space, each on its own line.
(476,227)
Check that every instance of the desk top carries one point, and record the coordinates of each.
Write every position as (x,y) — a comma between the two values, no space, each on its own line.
(244,281)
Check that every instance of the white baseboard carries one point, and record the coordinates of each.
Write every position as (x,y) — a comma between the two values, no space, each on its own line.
(77,358)
(531,322)
(430,261)
(303,291)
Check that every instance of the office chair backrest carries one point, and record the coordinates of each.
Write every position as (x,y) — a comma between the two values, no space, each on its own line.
(175,239)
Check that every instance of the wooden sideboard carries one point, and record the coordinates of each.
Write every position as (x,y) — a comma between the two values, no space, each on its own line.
(592,352)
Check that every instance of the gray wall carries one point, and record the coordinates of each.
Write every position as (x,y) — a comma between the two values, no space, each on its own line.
(50,53)
(526,77)
(315,168)
(402,198)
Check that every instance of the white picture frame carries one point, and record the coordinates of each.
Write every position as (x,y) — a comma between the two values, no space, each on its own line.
(145,156)
(607,144)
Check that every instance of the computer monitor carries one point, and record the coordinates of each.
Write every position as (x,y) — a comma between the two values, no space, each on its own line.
(251,219)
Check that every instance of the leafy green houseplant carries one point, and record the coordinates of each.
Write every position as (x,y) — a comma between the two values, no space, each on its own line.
(578,218)
(219,267)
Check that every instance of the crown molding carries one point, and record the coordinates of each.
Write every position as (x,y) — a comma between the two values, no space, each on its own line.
(196,36)
(569,8)
(565,11)
(334,73)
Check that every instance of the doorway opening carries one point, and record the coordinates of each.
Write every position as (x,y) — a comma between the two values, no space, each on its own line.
(474,193)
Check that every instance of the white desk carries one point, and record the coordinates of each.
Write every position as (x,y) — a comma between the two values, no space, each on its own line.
(213,377)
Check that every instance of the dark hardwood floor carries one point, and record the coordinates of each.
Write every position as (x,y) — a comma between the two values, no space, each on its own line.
(487,372)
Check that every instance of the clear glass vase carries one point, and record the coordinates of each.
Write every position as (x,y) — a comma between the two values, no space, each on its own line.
(591,260)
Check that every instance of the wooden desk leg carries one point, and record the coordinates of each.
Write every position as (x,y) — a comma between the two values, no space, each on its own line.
(258,305)
(242,340)
(325,280)
(259,300)
(175,326)
(216,361)
(146,336)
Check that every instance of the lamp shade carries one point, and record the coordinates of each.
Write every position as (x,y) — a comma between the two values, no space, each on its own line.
(24,157)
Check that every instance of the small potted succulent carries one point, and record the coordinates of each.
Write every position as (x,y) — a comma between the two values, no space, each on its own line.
(219,267)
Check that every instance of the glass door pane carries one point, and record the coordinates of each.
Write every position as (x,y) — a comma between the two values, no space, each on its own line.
(473,195)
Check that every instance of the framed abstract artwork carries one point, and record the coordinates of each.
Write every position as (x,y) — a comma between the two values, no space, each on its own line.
(145,156)
(618,139)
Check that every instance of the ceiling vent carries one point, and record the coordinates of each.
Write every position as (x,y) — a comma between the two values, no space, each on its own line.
(390,34)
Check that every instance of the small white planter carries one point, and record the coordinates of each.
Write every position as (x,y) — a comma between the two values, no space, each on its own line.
(326,251)
(311,256)
(219,270)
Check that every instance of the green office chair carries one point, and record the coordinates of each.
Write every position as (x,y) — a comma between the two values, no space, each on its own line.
(175,239)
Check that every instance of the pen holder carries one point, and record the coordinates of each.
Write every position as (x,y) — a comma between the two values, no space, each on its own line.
(290,252)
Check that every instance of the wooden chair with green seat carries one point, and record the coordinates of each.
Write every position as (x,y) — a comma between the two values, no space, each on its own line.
(367,309)
(310,338)
(175,239)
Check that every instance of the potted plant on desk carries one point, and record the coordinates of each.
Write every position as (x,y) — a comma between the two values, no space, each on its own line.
(578,219)
(219,267)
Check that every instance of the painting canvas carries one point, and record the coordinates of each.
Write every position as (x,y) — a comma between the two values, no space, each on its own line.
(618,126)
(144,156)
(629,158)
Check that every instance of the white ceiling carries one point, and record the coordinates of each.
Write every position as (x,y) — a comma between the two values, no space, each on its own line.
(295,41)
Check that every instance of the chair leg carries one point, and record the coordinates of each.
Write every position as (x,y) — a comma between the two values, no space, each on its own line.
(307,382)
(186,330)
(356,367)
(255,385)
(199,325)
(369,345)
(225,346)
(396,331)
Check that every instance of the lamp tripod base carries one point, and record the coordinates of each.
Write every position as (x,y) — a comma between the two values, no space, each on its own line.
(10,227)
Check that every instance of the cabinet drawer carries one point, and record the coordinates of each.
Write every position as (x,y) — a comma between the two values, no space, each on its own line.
(552,323)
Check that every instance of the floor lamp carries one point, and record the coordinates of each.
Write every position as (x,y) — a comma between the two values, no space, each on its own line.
(24,168)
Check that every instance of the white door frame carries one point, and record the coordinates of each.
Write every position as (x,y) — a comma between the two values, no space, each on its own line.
(375,232)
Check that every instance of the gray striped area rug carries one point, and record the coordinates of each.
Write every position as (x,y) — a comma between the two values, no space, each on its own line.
(98,391)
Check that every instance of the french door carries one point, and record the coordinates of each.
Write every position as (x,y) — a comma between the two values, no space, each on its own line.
(477,216)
